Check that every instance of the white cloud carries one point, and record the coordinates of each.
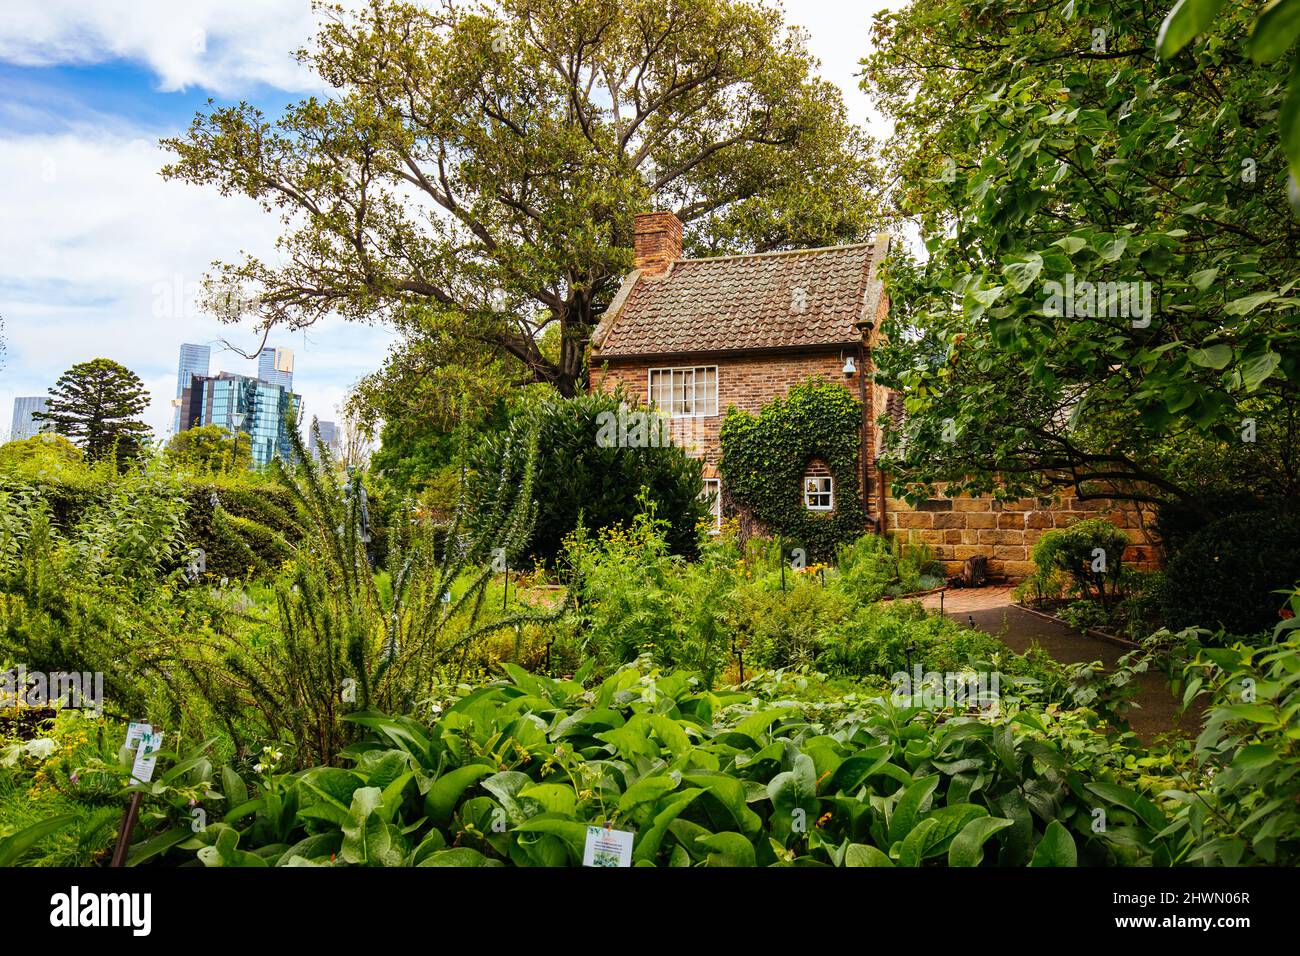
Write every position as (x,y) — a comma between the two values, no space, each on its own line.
(93,239)
(101,257)
(220,45)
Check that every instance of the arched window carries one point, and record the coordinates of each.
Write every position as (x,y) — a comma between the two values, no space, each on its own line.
(818,487)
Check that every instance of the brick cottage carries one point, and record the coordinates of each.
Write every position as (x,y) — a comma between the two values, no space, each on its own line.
(693,337)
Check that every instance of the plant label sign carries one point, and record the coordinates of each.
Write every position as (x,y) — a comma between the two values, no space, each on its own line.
(134,733)
(607,847)
(146,756)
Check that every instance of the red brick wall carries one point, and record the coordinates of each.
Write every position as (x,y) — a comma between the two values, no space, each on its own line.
(657,241)
(748,383)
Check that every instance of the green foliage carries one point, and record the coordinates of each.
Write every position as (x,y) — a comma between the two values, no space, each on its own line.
(1090,551)
(581,480)
(241,528)
(345,642)
(95,404)
(1227,574)
(211,449)
(43,774)
(13,846)
(597,111)
(874,566)
(635,597)
(885,639)
(1272,34)
(764,457)
(1038,163)
(1083,614)
(43,452)
(773,773)
(1247,807)
(96,595)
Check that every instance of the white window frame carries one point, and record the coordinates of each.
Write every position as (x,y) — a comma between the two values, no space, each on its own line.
(817,491)
(701,397)
(714,486)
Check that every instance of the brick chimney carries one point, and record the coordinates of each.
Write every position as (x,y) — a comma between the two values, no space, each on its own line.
(658,241)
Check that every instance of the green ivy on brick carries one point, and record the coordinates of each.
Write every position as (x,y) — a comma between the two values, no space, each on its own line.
(764,458)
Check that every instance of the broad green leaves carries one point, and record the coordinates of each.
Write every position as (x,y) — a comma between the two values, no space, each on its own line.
(1128,323)
(849,782)
(1056,848)
(967,847)
(1275,31)
(1186,20)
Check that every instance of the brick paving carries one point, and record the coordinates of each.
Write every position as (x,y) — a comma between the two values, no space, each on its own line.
(993,610)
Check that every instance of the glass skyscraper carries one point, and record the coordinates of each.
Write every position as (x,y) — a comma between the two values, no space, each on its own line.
(329,437)
(262,410)
(195,360)
(24,425)
(275,365)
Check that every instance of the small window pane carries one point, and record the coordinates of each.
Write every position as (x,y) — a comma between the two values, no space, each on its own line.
(818,493)
(713,494)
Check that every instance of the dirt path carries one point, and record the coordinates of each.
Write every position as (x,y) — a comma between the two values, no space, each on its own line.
(993,610)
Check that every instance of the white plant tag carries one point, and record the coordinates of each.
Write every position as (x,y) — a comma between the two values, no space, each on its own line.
(134,733)
(146,756)
(607,847)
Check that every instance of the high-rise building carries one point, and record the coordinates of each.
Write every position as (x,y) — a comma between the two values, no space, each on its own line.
(195,360)
(275,365)
(24,424)
(329,437)
(262,410)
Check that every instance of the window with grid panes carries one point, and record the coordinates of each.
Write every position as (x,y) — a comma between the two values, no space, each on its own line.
(818,492)
(685,392)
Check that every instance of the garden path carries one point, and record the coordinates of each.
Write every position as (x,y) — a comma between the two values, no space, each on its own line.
(993,609)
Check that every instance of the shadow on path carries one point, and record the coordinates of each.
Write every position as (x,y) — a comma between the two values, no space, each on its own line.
(992,610)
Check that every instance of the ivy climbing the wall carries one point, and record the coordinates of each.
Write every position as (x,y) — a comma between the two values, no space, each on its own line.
(764,459)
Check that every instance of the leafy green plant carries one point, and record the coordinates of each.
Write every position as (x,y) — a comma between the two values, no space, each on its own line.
(764,457)
(582,480)
(343,642)
(15,845)
(772,773)
(1244,804)
(1225,575)
(1090,551)
(1083,614)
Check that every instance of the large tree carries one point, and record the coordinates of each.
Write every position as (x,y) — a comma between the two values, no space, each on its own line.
(1107,304)
(96,404)
(477,172)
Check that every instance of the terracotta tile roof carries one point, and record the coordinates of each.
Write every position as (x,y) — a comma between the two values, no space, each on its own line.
(773,300)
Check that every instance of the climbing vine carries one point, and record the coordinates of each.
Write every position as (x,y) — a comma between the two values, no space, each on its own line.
(764,458)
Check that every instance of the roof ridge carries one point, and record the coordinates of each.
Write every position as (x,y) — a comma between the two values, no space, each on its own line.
(779,252)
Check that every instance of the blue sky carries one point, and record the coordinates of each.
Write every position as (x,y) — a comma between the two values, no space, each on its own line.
(100,257)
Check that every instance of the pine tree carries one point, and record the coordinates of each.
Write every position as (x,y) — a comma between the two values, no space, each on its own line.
(96,405)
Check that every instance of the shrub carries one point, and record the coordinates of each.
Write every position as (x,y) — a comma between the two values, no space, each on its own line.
(1083,614)
(1225,575)
(883,639)
(1247,810)
(579,481)
(874,566)
(1090,551)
